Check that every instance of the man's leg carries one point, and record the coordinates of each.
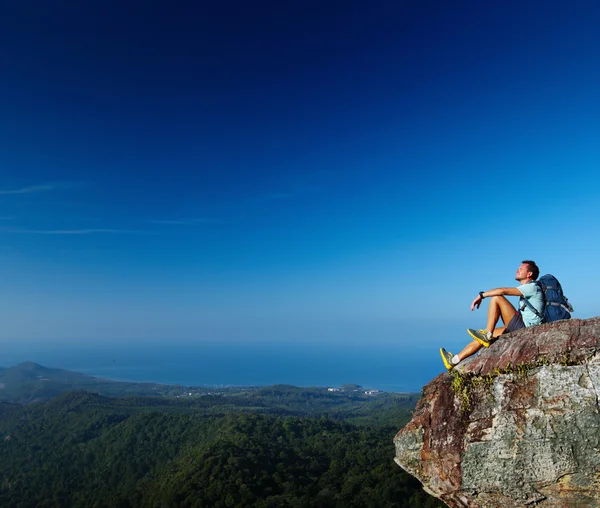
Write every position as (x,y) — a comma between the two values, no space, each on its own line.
(499,307)
(470,349)
(451,361)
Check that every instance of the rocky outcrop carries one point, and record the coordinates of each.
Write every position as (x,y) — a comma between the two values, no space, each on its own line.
(517,424)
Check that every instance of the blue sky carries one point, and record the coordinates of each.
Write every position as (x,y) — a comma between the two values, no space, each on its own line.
(292,171)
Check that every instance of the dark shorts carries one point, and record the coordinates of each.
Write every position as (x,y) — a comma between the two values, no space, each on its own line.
(516,323)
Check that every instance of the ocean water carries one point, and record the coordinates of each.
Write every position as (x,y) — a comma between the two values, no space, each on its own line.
(385,367)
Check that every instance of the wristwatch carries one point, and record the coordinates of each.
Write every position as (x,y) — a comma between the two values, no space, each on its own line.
(481,294)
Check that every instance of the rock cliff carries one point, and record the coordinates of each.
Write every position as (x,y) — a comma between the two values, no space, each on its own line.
(518,424)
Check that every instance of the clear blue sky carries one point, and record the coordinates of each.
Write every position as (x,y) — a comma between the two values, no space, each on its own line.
(292,171)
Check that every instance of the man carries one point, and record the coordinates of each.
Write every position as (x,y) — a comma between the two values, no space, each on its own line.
(500,307)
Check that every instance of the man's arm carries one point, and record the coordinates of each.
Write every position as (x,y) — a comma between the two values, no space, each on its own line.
(494,292)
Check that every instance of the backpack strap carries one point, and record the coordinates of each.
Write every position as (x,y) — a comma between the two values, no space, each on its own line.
(568,307)
(526,303)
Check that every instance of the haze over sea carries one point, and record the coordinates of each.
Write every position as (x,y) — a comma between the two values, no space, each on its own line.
(241,364)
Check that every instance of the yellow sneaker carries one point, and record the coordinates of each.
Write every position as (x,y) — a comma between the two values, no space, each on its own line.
(480,336)
(447,359)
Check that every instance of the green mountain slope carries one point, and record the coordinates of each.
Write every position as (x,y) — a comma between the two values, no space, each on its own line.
(277,446)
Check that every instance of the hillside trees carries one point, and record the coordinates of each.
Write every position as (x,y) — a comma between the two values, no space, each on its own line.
(83,450)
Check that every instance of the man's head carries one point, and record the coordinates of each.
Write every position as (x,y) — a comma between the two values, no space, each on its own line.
(527,271)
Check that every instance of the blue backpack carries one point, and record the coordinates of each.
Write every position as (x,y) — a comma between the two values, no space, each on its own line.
(556,304)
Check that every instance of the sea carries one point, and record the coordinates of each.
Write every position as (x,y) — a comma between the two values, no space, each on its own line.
(387,367)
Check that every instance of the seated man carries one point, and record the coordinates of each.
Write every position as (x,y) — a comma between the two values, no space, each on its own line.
(500,307)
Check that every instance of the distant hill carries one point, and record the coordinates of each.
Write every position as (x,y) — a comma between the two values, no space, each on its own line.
(31,382)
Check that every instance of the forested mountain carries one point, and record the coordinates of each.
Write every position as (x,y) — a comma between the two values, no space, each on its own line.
(277,446)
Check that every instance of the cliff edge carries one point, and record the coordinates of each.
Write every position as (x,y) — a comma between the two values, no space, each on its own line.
(518,424)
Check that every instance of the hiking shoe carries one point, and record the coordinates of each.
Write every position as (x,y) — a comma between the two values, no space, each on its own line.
(447,359)
(480,336)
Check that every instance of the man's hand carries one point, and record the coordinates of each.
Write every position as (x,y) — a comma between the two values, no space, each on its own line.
(476,303)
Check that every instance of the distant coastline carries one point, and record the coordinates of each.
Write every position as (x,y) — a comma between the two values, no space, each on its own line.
(200,364)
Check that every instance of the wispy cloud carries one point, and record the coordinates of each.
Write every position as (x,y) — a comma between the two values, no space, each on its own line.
(27,190)
(93,231)
(35,189)
(64,231)
(184,222)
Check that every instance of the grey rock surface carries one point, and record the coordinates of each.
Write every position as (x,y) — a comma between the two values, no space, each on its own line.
(522,429)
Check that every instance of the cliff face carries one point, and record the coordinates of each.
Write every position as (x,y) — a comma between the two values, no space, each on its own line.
(517,424)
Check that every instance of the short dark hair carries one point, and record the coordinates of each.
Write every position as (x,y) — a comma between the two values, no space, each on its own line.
(533,268)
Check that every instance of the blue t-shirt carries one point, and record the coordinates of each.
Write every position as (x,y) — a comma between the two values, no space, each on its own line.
(533,293)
